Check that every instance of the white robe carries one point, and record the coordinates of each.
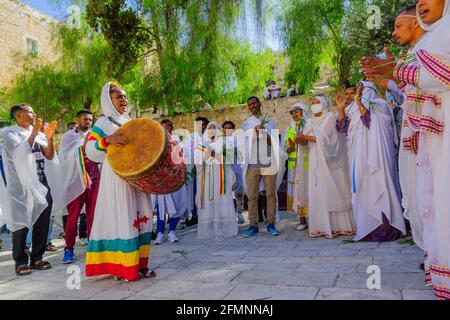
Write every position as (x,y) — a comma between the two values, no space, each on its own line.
(434,151)
(297,178)
(25,197)
(120,237)
(72,164)
(329,197)
(216,214)
(373,170)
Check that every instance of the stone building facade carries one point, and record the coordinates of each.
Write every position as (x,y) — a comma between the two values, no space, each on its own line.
(24,31)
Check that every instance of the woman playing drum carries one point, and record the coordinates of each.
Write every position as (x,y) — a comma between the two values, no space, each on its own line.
(121,231)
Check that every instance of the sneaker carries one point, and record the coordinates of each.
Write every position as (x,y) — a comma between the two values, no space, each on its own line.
(192,222)
(301,227)
(84,241)
(159,238)
(251,232)
(241,219)
(173,237)
(181,225)
(69,256)
(272,230)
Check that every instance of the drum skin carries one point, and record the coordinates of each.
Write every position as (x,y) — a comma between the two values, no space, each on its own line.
(152,161)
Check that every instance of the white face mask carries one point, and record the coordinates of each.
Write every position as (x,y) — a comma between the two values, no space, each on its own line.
(316,108)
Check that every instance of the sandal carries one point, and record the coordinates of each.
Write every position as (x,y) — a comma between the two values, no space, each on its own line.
(40,265)
(50,247)
(146,273)
(23,270)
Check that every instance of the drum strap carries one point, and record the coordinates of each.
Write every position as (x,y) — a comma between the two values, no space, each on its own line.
(114,121)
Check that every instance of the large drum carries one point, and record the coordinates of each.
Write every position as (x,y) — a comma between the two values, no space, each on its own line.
(152,161)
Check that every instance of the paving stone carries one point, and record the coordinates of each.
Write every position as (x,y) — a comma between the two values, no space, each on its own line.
(389,280)
(189,290)
(338,253)
(327,268)
(326,260)
(412,251)
(357,294)
(112,294)
(86,292)
(207,265)
(379,252)
(207,276)
(262,260)
(403,266)
(299,279)
(418,295)
(379,260)
(268,292)
(359,245)
(232,253)
(276,267)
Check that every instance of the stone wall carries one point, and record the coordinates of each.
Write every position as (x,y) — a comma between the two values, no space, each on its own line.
(278,109)
(19,22)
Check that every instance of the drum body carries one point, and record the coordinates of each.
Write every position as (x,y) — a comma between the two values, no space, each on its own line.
(152,161)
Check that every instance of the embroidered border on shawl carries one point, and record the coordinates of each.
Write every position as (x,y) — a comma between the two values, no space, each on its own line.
(426,123)
(435,67)
(423,98)
(440,271)
(83,167)
(441,293)
(407,74)
(411,143)
(334,233)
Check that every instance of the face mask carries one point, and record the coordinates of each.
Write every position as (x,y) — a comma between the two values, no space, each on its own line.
(316,108)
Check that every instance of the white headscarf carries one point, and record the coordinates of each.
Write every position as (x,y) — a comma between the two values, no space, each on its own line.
(300,106)
(108,108)
(434,25)
(218,131)
(324,101)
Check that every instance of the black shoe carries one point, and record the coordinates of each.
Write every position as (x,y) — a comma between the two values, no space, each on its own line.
(154,235)
(192,222)
(422,266)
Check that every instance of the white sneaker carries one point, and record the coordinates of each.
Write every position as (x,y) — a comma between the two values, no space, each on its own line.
(241,219)
(159,238)
(302,227)
(173,237)
(84,241)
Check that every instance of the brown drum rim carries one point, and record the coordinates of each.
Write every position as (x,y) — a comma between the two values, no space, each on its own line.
(143,172)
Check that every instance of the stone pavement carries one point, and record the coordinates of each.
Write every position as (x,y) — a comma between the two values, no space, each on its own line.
(290,266)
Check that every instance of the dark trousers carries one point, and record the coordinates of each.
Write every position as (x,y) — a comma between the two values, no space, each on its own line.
(82,226)
(39,238)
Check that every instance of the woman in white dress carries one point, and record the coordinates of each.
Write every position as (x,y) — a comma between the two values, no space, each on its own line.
(121,232)
(215,179)
(329,197)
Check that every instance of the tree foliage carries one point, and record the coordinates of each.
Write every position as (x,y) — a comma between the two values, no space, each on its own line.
(314,30)
(174,54)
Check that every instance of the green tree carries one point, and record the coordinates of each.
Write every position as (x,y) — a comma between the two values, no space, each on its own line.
(335,32)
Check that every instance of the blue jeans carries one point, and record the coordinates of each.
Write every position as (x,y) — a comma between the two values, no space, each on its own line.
(161,224)
(194,212)
(49,235)
(50,229)
(2,171)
